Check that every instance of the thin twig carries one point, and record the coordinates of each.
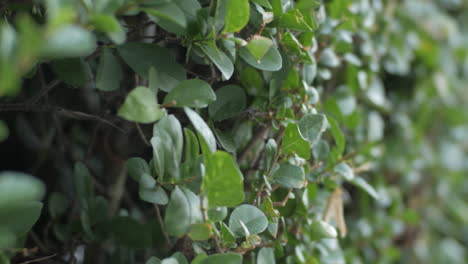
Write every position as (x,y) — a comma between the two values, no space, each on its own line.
(43,91)
(161,222)
(39,259)
(142,135)
(23,107)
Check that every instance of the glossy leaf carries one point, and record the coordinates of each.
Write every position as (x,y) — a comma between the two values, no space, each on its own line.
(191,93)
(141,106)
(202,128)
(220,59)
(289,176)
(223,182)
(271,61)
(109,73)
(237,15)
(253,219)
(312,126)
(294,143)
(142,56)
(231,100)
(258,46)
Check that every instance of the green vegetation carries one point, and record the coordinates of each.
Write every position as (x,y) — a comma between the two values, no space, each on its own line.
(234,131)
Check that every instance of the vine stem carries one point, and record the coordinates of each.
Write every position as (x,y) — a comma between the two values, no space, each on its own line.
(161,222)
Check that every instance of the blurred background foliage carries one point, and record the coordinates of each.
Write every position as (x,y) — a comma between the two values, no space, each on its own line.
(343,125)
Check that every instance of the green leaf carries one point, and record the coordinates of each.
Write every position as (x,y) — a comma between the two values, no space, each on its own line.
(252,217)
(171,126)
(293,142)
(142,56)
(83,181)
(329,58)
(263,3)
(321,229)
(141,106)
(137,167)
(169,16)
(155,195)
(311,127)
(338,136)
(153,260)
(192,149)
(19,187)
(147,181)
(58,204)
(271,150)
(237,15)
(227,234)
(74,72)
(272,60)
(19,217)
(223,182)
(259,46)
(365,186)
(109,73)
(220,59)
(191,93)
(226,258)
(344,171)
(69,41)
(181,259)
(127,232)
(178,218)
(200,232)
(266,256)
(295,19)
(202,128)
(217,214)
(110,25)
(252,81)
(289,176)
(230,101)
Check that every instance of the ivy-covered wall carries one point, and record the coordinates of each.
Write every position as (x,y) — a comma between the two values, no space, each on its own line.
(234,131)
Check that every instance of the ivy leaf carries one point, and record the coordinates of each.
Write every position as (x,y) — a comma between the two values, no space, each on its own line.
(141,106)
(271,61)
(223,182)
(252,217)
(192,93)
(259,46)
(293,142)
(178,218)
(237,15)
(226,258)
(202,128)
(312,126)
(220,59)
(289,176)
(230,101)
(142,56)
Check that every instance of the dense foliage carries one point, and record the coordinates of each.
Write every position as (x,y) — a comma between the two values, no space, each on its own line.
(234,131)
